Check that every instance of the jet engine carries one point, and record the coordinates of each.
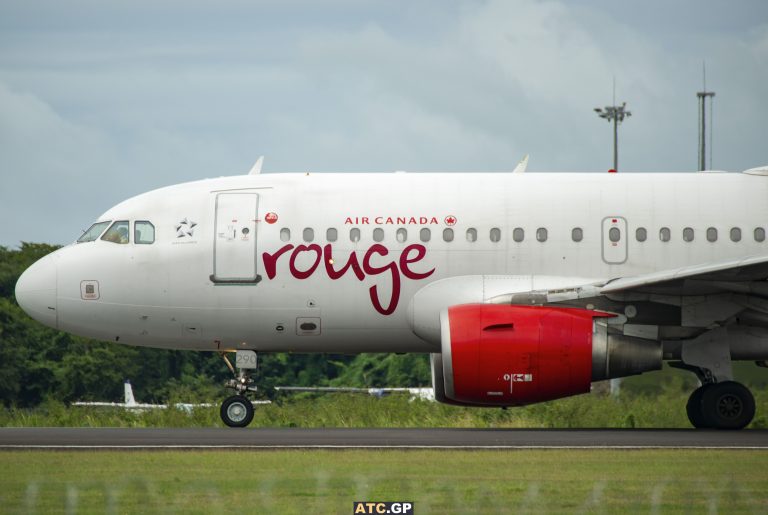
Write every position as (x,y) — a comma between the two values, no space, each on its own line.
(502,355)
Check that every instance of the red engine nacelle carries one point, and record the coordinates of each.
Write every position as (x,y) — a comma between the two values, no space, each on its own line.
(501,355)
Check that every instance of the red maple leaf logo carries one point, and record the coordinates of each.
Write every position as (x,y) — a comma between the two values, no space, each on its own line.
(450,220)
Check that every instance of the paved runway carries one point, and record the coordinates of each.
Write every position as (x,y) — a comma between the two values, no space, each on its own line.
(211,438)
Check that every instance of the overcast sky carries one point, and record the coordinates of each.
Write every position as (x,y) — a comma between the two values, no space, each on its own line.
(100,101)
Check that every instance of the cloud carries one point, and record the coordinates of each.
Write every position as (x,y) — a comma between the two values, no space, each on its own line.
(47,164)
(103,101)
(36,141)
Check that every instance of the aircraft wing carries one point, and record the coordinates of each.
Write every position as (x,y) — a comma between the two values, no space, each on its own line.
(321,389)
(415,392)
(184,406)
(745,275)
(338,389)
(101,404)
(661,296)
(121,405)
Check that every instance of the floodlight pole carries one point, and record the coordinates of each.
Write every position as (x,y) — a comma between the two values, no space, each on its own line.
(702,96)
(615,144)
(616,114)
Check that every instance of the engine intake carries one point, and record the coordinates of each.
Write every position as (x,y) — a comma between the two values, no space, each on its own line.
(501,355)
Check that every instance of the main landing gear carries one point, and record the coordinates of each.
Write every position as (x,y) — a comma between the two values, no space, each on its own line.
(237,410)
(726,405)
(720,402)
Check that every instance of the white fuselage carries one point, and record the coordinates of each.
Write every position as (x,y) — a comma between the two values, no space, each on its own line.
(206,284)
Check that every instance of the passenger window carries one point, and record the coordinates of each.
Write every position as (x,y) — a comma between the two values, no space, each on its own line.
(401,235)
(471,235)
(711,234)
(308,234)
(425,234)
(688,234)
(518,234)
(735,234)
(378,234)
(641,234)
(285,234)
(93,232)
(614,234)
(541,234)
(495,234)
(118,233)
(331,234)
(447,234)
(759,234)
(665,234)
(354,235)
(577,234)
(144,233)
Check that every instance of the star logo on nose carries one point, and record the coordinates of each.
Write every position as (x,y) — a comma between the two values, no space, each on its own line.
(185,228)
(450,220)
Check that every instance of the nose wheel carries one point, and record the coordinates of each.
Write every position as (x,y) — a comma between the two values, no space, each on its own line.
(236,411)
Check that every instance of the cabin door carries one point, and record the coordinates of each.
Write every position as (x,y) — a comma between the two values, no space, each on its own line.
(234,244)
(614,240)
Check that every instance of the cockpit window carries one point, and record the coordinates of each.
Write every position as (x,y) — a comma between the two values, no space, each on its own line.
(93,232)
(143,232)
(117,233)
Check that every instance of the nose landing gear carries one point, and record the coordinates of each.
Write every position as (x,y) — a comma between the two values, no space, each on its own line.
(237,410)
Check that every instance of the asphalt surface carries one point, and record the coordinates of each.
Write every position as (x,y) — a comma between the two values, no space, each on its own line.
(121,438)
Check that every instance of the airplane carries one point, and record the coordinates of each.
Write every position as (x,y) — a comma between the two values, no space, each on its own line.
(421,393)
(131,404)
(522,287)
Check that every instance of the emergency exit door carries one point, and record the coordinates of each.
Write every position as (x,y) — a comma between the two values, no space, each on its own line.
(234,246)
(614,240)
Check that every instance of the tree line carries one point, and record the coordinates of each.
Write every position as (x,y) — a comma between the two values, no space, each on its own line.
(39,363)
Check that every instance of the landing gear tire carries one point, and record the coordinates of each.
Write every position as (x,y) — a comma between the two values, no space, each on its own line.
(727,405)
(694,408)
(236,411)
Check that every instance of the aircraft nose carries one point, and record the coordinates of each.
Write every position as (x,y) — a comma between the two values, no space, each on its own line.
(36,291)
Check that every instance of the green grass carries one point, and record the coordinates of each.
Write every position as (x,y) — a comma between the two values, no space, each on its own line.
(562,481)
(641,410)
